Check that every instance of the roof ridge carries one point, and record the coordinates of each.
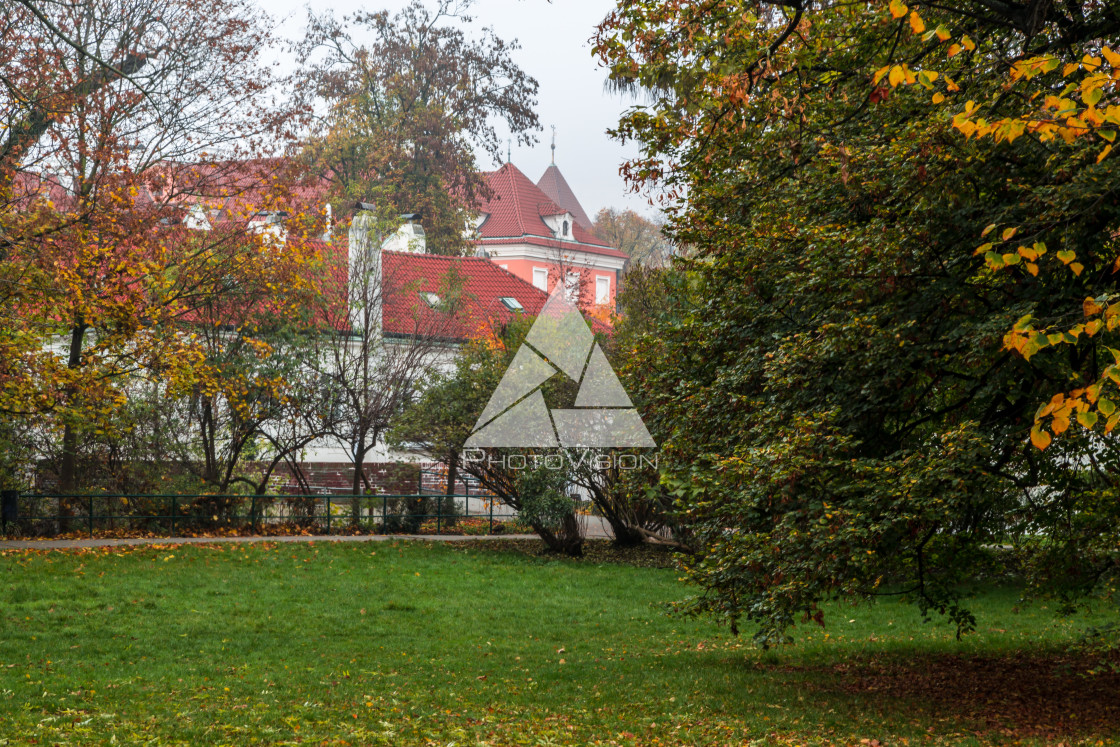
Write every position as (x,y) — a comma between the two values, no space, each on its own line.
(516,201)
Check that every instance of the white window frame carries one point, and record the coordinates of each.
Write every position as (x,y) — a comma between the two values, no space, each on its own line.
(603,290)
(540,278)
(571,287)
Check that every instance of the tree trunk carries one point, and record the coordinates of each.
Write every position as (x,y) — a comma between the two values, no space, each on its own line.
(360,449)
(566,539)
(68,469)
(452,473)
(624,534)
(67,473)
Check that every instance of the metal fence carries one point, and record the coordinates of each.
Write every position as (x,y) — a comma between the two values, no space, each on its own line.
(53,514)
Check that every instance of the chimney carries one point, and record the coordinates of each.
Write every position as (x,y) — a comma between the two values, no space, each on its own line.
(364,291)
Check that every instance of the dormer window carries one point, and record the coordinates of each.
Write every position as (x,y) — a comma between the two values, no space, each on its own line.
(560,224)
(511,303)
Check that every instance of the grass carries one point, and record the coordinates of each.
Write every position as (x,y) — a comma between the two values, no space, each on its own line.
(414,643)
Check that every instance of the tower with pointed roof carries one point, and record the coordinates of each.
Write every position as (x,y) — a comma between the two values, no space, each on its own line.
(545,238)
(555,186)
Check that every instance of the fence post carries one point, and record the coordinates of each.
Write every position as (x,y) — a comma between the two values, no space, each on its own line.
(384,509)
(491,502)
(90,503)
(439,513)
(174,512)
(253,515)
(327,501)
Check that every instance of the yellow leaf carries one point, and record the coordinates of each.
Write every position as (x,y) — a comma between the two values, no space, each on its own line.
(1069,69)
(1009,232)
(1112,57)
(938,98)
(1060,425)
(1032,268)
(1077,268)
(916,23)
(879,74)
(968,43)
(1093,327)
(1066,256)
(898,8)
(1040,438)
(897,75)
(1104,153)
(954,50)
(1091,307)
(942,33)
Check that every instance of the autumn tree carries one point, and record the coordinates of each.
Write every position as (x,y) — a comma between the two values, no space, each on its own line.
(251,399)
(841,408)
(373,366)
(403,103)
(641,238)
(113,111)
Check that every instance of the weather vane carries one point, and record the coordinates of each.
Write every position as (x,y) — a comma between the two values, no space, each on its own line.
(554,144)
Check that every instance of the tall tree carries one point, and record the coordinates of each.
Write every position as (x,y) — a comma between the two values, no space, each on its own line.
(402,114)
(113,111)
(373,369)
(839,414)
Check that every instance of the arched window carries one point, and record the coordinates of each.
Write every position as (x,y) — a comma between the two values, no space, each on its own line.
(565,229)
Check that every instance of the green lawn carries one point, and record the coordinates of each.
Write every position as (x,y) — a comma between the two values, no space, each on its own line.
(416,643)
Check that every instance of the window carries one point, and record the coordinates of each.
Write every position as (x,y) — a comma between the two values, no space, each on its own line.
(602,290)
(540,278)
(504,267)
(571,287)
(511,303)
(565,229)
(431,299)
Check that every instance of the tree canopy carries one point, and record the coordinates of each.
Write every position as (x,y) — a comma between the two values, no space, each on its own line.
(401,103)
(880,216)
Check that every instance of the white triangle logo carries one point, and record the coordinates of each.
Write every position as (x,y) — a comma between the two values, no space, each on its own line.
(516,415)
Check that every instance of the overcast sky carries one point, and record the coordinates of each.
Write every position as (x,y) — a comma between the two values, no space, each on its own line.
(556,50)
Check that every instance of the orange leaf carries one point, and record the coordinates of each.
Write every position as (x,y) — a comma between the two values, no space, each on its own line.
(1040,438)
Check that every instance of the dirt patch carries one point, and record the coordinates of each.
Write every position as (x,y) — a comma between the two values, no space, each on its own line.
(1039,695)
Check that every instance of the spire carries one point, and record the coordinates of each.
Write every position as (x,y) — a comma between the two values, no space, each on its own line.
(554,144)
(509,150)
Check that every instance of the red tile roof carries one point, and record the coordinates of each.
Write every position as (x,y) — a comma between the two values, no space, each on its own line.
(483,283)
(516,210)
(406,275)
(555,186)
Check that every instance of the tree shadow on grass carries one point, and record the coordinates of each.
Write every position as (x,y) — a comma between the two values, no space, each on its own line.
(1039,695)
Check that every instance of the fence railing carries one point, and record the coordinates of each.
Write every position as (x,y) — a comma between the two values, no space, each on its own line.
(52,514)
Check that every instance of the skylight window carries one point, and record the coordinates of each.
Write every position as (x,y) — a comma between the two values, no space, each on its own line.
(511,303)
(432,299)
